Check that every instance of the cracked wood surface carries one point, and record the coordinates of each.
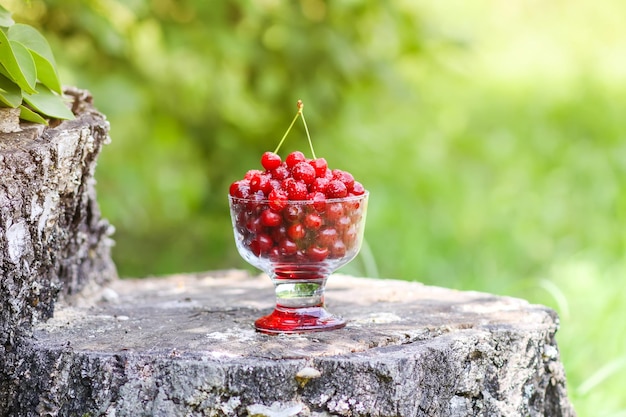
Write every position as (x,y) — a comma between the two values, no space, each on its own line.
(185,345)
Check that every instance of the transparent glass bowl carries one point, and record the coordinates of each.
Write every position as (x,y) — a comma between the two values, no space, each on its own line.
(299,244)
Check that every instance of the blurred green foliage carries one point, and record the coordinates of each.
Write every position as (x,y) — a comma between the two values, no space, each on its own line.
(490,135)
(196,91)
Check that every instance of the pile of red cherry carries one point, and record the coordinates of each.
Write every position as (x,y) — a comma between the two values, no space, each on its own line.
(297,210)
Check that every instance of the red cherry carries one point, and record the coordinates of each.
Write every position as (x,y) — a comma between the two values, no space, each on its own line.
(280,173)
(240,189)
(336,189)
(278,200)
(334,211)
(343,223)
(319,201)
(234,189)
(301,256)
(327,237)
(251,173)
(265,242)
(284,184)
(296,231)
(274,184)
(260,182)
(292,213)
(270,161)
(320,165)
(357,189)
(319,184)
(287,247)
(253,205)
(255,247)
(338,249)
(274,254)
(297,190)
(279,233)
(270,218)
(304,172)
(316,253)
(312,221)
(293,158)
(344,177)
(254,225)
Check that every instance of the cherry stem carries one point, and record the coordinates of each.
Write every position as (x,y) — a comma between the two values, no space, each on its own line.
(306,128)
(287,132)
(299,113)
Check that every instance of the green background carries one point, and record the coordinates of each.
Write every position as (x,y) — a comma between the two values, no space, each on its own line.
(491,136)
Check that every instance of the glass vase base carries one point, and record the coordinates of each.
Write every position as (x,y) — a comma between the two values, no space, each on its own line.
(298,320)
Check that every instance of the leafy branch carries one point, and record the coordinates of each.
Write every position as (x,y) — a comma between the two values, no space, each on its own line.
(28,74)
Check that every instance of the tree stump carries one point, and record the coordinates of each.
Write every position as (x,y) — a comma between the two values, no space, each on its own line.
(185,346)
(53,242)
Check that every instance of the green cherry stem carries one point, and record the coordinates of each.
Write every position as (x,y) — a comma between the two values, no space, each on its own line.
(288,130)
(306,128)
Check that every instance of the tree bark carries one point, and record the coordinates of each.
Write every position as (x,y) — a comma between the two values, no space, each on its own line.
(53,242)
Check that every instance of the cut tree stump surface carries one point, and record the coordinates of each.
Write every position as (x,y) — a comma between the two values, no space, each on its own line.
(185,345)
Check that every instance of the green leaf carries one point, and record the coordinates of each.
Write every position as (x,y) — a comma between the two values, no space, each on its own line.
(26,64)
(47,73)
(41,52)
(29,115)
(5,17)
(19,63)
(48,103)
(32,39)
(4,72)
(10,93)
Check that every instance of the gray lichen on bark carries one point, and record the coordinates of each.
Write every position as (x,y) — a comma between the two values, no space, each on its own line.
(53,241)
